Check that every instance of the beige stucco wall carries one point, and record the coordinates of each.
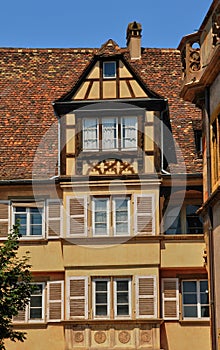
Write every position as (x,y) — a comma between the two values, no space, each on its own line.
(215,97)
(117,255)
(182,254)
(48,337)
(176,336)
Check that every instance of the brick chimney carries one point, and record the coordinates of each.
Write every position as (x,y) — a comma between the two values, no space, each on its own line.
(134,40)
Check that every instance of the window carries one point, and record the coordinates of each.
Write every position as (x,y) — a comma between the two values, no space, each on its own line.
(109,69)
(198,141)
(111,297)
(110,215)
(29,219)
(51,302)
(102,290)
(36,311)
(110,133)
(184,222)
(215,147)
(195,299)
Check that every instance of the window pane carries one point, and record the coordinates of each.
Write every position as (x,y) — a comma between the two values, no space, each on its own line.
(122,310)
(122,297)
(109,69)
(193,221)
(129,132)
(204,311)
(109,133)
(204,286)
(122,285)
(121,215)
(101,298)
(189,286)
(173,222)
(36,313)
(190,311)
(101,310)
(36,230)
(90,134)
(190,298)
(100,216)
(101,286)
(36,301)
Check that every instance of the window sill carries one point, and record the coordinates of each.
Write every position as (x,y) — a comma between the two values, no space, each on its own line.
(202,322)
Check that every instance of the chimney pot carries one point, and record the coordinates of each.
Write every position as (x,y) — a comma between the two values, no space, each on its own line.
(133,37)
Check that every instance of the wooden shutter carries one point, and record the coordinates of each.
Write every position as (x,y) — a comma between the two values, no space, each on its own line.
(55,299)
(146,297)
(77,216)
(170,298)
(4,218)
(145,214)
(54,218)
(21,316)
(78,297)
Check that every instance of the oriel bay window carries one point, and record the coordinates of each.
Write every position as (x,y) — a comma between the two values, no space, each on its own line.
(110,133)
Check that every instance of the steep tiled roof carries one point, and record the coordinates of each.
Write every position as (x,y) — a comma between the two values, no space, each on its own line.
(31,79)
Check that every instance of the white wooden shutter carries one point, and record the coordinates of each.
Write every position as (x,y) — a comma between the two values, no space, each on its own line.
(77,216)
(170,298)
(77,297)
(145,214)
(54,218)
(4,218)
(21,316)
(55,300)
(146,297)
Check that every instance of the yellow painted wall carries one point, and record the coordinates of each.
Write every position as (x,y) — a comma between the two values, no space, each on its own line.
(50,338)
(176,336)
(182,254)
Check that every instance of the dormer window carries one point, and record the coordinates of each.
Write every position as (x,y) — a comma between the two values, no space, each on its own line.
(110,133)
(109,69)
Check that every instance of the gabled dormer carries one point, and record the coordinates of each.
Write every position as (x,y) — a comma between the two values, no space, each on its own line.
(110,120)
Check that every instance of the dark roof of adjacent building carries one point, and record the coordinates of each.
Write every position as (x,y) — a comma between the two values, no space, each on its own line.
(31,79)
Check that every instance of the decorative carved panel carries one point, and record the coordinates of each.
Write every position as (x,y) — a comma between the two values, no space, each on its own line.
(111,167)
(216,26)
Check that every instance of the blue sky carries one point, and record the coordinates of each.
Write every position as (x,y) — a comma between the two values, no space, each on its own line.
(69,23)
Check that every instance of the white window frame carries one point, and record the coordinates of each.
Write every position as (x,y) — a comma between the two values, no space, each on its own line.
(104,76)
(97,135)
(114,198)
(136,132)
(96,199)
(94,281)
(198,304)
(36,320)
(28,235)
(128,279)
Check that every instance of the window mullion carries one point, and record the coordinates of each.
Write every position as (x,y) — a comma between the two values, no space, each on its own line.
(28,228)
(198,299)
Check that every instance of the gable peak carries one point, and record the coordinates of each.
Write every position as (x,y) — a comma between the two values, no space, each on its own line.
(110,47)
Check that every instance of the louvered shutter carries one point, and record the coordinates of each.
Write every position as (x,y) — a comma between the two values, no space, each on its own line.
(146,297)
(77,216)
(54,218)
(4,218)
(55,296)
(78,297)
(145,214)
(170,298)
(21,316)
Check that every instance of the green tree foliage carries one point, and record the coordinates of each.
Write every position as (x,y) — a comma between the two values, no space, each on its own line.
(15,287)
